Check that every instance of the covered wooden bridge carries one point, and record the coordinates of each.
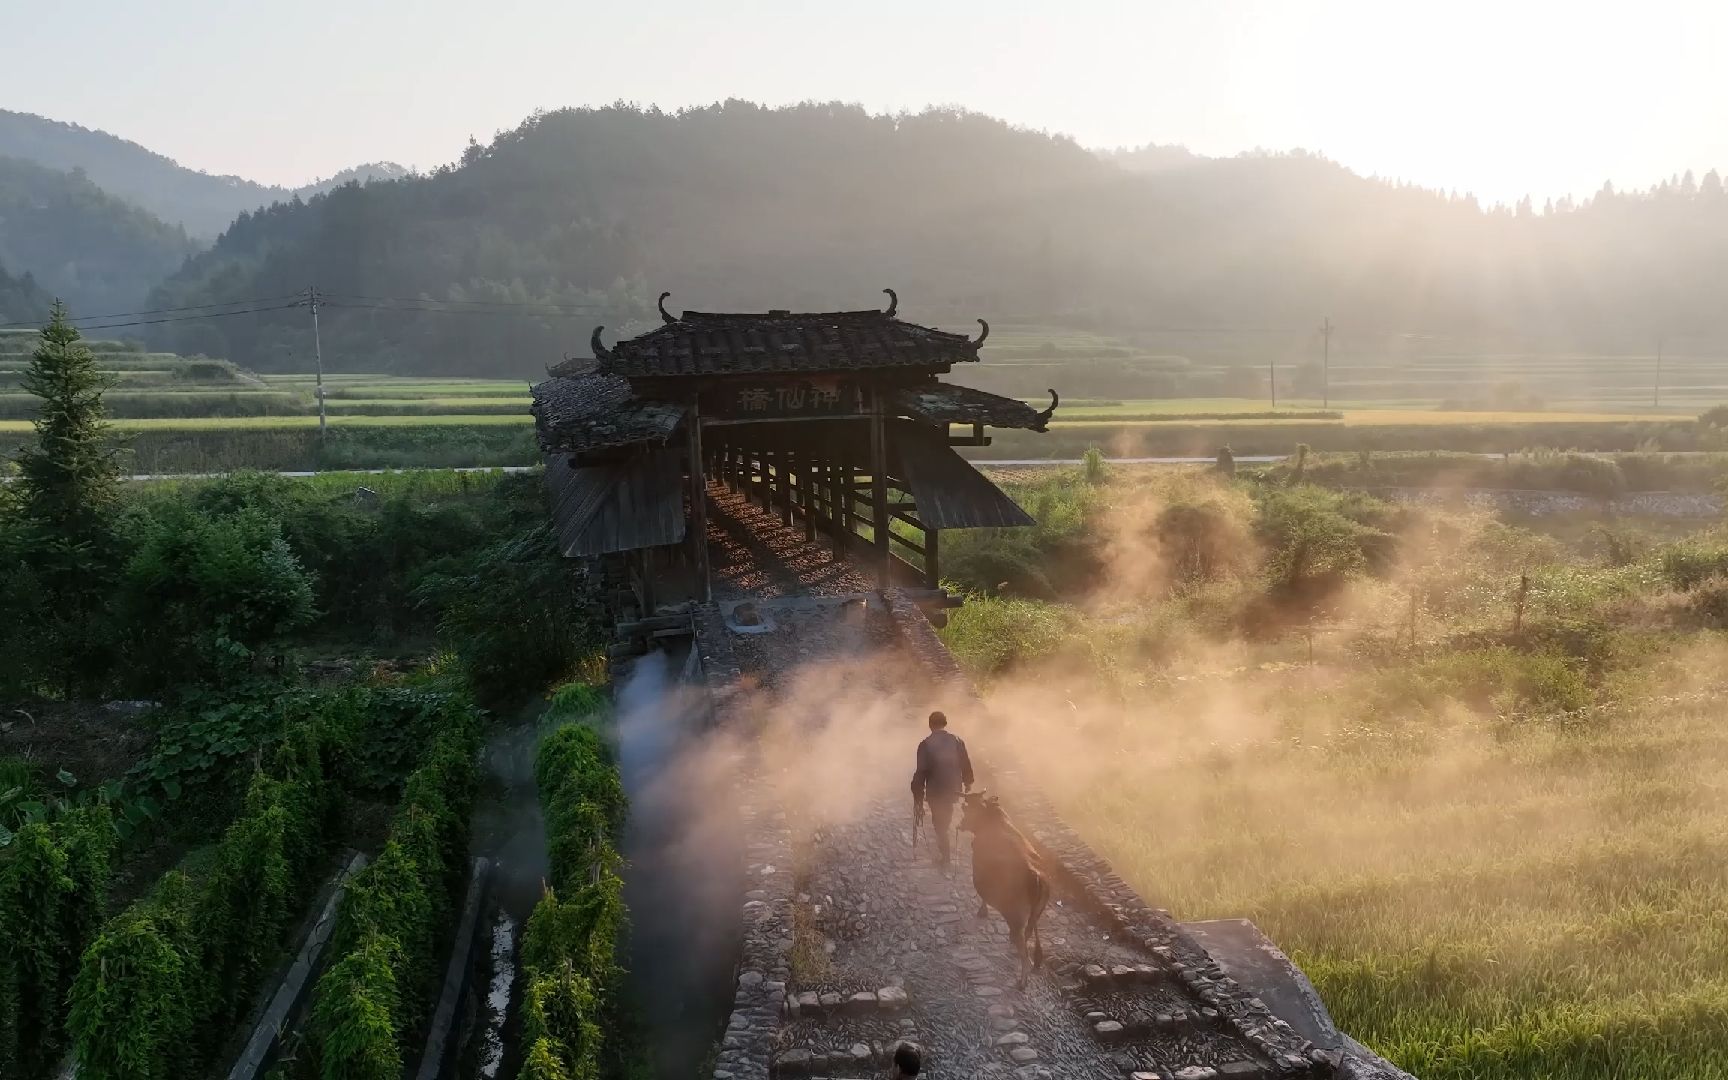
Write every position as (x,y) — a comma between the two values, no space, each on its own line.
(834,420)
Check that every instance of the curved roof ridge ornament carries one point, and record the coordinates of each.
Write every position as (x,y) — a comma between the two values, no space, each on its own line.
(600,352)
(661,304)
(982,334)
(893,303)
(1044,417)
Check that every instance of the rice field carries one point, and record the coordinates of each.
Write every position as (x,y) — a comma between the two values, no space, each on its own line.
(1218,410)
(1365,369)
(289,423)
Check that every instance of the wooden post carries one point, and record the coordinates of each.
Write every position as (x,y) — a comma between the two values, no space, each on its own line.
(788,470)
(836,510)
(879,486)
(698,508)
(842,507)
(932,571)
(1518,607)
(807,497)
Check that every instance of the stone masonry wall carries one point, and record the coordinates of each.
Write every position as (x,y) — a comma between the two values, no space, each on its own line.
(763,965)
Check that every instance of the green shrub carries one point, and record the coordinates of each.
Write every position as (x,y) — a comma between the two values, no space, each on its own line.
(991,635)
(558,1023)
(166,979)
(1312,545)
(513,614)
(247,902)
(393,910)
(580,790)
(1493,678)
(208,593)
(1690,563)
(1093,467)
(569,948)
(356,1014)
(53,882)
(137,1002)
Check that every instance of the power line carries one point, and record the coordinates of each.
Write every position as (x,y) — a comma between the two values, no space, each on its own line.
(188,318)
(466,303)
(517,313)
(78,320)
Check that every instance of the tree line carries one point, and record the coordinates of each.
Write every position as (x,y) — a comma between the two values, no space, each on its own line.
(819,206)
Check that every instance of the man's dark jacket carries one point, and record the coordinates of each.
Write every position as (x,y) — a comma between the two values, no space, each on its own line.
(943,767)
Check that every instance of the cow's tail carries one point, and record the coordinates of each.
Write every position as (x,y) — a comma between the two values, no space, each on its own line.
(1040,896)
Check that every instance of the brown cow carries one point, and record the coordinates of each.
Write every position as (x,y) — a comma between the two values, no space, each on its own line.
(1008,876)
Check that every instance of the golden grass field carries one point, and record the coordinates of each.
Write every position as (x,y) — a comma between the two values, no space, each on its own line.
(1497,857)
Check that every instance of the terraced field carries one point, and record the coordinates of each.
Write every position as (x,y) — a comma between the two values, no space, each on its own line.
(1366,369)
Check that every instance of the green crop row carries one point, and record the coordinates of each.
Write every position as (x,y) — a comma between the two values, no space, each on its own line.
(178,404)
(569,948)
(53,884)
(164,981)
(377,992)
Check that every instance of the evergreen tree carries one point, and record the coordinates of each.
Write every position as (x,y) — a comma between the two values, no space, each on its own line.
(68,478)
(65,493)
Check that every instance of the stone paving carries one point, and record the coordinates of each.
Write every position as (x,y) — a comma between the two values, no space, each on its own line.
(906,958)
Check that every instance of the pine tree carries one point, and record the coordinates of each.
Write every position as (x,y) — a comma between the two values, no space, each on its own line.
(68,478)
(66,491)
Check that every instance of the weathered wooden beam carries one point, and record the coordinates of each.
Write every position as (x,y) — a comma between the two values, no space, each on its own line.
(715,422)
(698,524)
(879,486)
(807,497)
(637,627)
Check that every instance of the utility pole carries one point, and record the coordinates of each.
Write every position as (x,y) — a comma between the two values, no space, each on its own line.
(1272,379)
(318,351)
(1656,392)
(1326,362)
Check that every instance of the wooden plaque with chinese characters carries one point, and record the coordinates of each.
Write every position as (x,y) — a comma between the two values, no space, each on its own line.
(814,396)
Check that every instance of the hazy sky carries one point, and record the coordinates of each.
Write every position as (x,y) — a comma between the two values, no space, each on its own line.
(1500,98)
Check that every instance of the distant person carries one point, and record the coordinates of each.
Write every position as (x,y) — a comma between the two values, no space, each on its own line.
(944,772)
(907,1062)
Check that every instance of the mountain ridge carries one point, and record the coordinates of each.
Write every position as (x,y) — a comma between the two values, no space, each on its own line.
(202,203)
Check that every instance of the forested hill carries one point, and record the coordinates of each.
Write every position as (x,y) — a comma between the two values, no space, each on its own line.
(737,206)
(203,204)
(97,252)
(22,300)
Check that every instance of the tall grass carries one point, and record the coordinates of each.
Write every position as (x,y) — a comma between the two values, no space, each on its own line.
(1498,855)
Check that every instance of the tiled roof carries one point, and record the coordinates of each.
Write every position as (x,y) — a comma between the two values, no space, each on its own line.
(713,343)
(595,412)
(940,403)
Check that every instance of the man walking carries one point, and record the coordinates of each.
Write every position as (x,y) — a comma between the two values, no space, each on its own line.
(944,771)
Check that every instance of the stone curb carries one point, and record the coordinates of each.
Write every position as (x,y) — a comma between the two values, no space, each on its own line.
(296,984)
(441,1043)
